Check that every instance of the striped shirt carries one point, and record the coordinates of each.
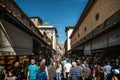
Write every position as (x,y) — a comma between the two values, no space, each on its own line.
(75,72)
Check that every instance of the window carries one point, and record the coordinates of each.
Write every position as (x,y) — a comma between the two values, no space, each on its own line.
(78,35)
(30,24)
(97,16)
(34,19)
(75,39)
(22,16)
(85,29)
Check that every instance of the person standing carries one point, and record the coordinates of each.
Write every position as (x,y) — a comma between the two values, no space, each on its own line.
(108,70)
(67,68)
(18,71)
(42,63)
(87,72)
(32,70)
(63,64)
(101,72)
(75,72)
(10,76)
(41,74)
(58,69)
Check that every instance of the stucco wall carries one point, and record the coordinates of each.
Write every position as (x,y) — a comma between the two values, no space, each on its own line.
(105,8)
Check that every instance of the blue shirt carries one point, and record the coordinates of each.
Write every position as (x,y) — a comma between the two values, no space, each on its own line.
(41,75)
(32,71)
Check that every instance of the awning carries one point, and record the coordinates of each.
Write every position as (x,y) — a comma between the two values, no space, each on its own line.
(14,41)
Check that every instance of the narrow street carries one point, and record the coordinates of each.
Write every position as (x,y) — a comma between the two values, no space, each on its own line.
(81,38)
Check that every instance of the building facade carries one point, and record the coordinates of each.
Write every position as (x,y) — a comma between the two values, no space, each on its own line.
(60,49)
(97,30)
(51,32)
(19,38)
(36,20)
(68,31)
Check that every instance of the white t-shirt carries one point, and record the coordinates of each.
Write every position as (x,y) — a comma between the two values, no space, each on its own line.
(59,69)
(67,66)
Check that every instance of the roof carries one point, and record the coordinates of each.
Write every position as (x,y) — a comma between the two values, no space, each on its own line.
(39,19)
(70,27)
(84,14)
(49,27)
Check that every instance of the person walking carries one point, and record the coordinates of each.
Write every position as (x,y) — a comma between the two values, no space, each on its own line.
(32,70)
(87,72)
(75,72)
(108,70)
(11,76)
(18,71)
(41,74)
(67,68)
(63,64)
(42,63)
(58,69)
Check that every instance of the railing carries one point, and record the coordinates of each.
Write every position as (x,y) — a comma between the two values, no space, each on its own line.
(13,8)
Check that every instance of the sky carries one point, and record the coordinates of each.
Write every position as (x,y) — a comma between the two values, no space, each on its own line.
(59,13)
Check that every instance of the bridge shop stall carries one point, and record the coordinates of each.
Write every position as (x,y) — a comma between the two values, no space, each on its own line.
(20,40)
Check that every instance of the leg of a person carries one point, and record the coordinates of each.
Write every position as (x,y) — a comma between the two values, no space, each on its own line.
(57,76)
(67,75)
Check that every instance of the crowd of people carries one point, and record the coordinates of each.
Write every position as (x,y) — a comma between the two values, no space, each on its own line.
(65,69)
(35,71)
(76,69)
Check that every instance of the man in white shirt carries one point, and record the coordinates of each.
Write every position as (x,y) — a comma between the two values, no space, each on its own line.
(67,68)
(108,69)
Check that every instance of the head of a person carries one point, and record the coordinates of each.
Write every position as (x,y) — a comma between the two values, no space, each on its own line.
(32,61)
(74,64)
(108,63)
(42,66)
(86,65)
(67,59)
(57,64)
(10,73)
(64,58)
(42,63)
(78,62)
(16,63)
(85,62)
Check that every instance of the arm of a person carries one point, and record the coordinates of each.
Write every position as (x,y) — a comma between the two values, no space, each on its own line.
(37,76)
(28,73)
(70,73)
(60,67)
(46,69)
(64,67)
(45,75)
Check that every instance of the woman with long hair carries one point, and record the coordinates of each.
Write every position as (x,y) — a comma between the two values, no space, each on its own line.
(58,69)
(41,74)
